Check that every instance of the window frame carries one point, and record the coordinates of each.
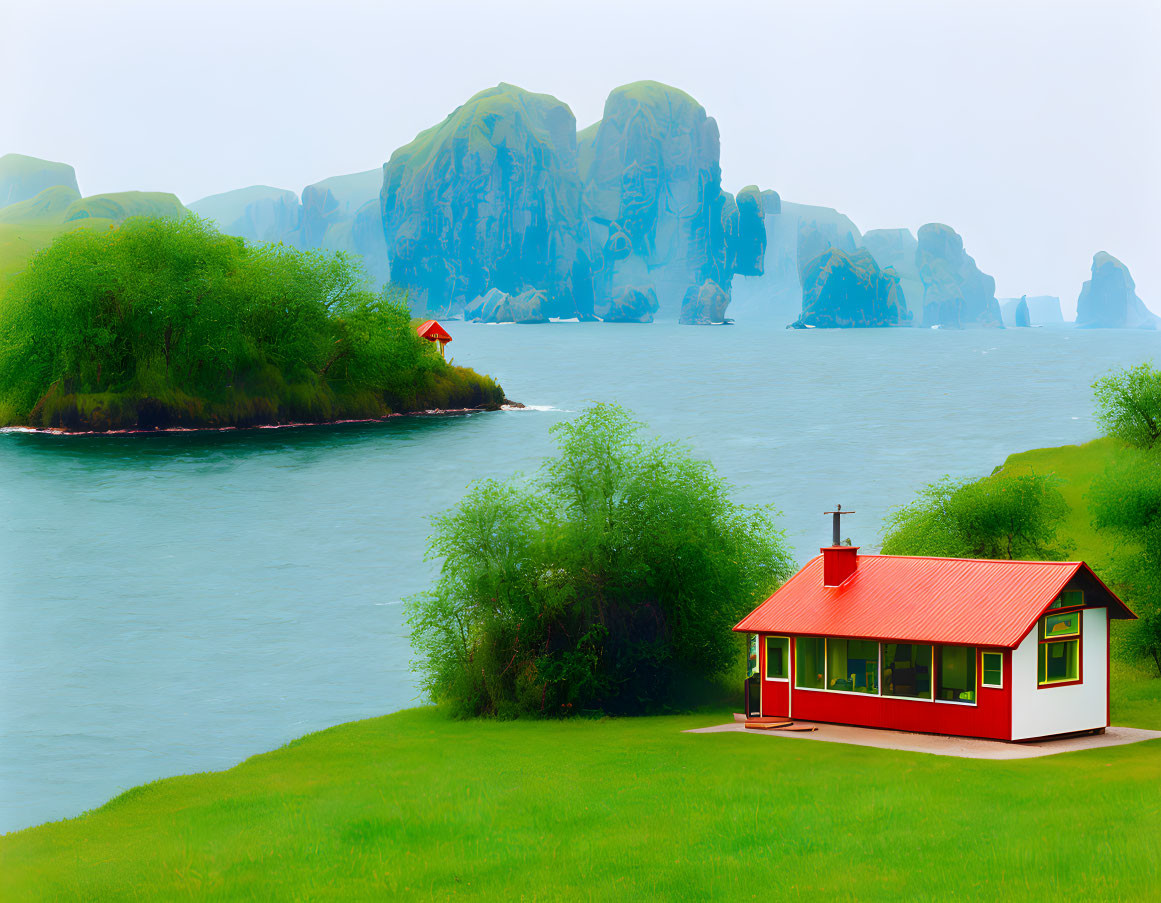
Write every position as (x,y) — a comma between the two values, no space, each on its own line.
(937,670)
(1044,641)
(785,661)
(984,669)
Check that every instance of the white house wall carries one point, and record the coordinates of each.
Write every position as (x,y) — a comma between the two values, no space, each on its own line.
(1061,710)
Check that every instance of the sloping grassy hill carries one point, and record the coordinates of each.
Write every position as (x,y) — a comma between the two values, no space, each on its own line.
(1077,466)
(413,805)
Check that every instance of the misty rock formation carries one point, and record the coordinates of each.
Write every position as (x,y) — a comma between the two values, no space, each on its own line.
(489,199)
(1043,310)
(847,289)
(337,214)
(256,213)
(896,248)
(496,306)
(1109,299)
(23,178)
(955,292)
(631,304)
(656,218)
(704,305)
(795,234)
(1021,316)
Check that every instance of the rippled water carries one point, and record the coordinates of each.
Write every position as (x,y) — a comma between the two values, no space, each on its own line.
(172,604)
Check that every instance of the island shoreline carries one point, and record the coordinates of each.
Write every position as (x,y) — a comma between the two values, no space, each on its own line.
(507,405)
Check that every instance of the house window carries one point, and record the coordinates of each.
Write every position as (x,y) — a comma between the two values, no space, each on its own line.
(1070,598)
(777,658)
(907,670)
(809,662)
(956,674)
(852,665)
(1058,626)
(992,664)
(1059,652)
(752,658)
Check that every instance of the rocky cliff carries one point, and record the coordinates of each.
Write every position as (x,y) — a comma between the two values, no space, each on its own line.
(956,293)
(489,198)
(842,289)
(656,218)
(1109,299)
(23,178)
(256,213)
(896,248)
(795,234)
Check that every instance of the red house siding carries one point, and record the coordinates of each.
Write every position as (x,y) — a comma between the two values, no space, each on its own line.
(990,717)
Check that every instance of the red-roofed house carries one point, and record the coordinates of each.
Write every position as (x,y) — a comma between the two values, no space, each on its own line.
(1009,650)
(433,332)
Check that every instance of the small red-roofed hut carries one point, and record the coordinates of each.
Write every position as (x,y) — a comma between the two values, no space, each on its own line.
(433,332)
(1006,650)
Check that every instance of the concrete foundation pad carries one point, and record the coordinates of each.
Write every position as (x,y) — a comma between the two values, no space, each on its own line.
(939,745)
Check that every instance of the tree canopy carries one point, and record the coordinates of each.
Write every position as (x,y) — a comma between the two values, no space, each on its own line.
(610,581)
(1129,404)
(170,320)
(999,517)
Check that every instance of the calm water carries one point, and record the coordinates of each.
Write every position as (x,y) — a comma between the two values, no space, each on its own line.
(175,604)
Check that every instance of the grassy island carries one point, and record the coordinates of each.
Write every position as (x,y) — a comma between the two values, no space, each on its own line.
(164,322)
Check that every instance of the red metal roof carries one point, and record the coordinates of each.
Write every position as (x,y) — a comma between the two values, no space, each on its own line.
(430,329)
(933,600)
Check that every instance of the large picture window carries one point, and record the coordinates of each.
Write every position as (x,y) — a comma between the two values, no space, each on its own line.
(907,670)
(809,662)
(852,665)
(777,658)
(956,674)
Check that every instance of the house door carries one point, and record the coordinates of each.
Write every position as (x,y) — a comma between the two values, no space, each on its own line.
(775,661)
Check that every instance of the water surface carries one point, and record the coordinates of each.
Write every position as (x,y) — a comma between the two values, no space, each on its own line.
(172,604)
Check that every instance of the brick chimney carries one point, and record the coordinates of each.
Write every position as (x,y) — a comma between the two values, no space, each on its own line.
(838,561)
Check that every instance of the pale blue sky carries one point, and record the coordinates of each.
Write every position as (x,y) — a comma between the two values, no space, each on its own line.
(1030,127)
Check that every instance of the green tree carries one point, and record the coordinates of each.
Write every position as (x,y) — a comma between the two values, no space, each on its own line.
(999,517)
(1129,404)
(1126,501)
(610,581)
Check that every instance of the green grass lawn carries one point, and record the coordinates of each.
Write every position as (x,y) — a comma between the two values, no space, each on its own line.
(1076,465)
(416,805)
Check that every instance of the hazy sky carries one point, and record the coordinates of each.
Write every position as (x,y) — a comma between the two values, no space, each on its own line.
(1032,128)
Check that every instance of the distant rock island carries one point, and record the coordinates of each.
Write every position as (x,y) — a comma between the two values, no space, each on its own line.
(1109,299)
(1043,310)
(843,289)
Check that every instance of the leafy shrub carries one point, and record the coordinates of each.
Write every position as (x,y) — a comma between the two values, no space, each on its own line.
(609,582)
(997,517)
(1126,501)
(1129,404)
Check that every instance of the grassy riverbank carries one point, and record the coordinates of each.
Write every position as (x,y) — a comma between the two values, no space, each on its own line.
(415,805)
